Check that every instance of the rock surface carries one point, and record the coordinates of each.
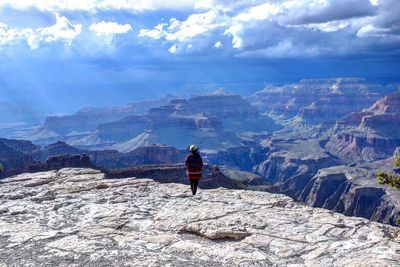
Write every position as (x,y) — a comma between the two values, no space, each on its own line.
(76,217)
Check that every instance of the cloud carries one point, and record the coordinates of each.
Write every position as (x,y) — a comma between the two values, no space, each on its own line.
(98,5)
(182,31)
(63,31)
(273,28)
(173,49)
(321,11)
(371,31)
(109,28)
(8,36)
(284,27)
(189,33)
(218,44)
(284,49)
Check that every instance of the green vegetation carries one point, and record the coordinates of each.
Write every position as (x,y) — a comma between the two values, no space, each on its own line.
(391,179)
(1,168)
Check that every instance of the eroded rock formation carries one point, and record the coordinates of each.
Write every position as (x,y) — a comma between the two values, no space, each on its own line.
(319,100)
(369,135)
(212,121)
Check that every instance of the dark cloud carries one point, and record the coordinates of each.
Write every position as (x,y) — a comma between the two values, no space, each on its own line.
(306,13)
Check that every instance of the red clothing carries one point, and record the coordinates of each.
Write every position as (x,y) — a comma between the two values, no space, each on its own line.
(194,166)
(193,173)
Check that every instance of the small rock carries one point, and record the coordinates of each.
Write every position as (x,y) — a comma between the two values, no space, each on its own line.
(17,212)
(4,210)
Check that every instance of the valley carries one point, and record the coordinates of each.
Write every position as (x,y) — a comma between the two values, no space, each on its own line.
(318,141)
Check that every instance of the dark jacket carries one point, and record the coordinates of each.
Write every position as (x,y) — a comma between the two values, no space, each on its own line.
(194,166)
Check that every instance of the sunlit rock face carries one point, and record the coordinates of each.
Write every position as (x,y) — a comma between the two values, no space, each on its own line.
(318,100)
(76,217)
(371,134)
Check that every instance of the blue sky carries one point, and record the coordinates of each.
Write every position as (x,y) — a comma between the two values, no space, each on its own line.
(58,56)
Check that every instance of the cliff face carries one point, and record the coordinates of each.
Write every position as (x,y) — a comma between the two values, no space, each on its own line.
(290,160)
(76,217)
(369,135)
(15,156)
(352,191)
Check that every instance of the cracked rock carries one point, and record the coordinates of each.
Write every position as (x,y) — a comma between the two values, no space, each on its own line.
(82,219)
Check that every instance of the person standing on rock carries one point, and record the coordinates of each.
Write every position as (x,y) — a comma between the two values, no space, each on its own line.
(194,167)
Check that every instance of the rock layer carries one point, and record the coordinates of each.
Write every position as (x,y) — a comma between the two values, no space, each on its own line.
(318,100)
(369,135)
(76,217)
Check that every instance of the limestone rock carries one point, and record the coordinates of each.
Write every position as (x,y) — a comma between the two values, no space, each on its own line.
(84,219)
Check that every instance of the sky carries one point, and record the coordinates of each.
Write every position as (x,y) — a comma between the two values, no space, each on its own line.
(58,56)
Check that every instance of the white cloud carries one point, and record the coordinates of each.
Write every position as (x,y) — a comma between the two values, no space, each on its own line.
(8,36)
(184,32)
(218,44)
(173,49)
(260,12)
(62,31)
(195,25)
(374,2)
(372,31)
(109,28)
(331,26)
(156,33)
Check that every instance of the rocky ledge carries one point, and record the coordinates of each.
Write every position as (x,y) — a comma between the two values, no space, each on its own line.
(77,217)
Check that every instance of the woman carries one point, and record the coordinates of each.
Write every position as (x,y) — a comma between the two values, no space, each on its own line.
(194,167)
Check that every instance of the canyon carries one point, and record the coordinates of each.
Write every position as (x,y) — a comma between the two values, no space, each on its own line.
(318,141)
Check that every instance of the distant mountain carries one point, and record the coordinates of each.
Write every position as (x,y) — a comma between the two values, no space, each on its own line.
(211,121)
(14,117)
(80,124)
(314,101)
